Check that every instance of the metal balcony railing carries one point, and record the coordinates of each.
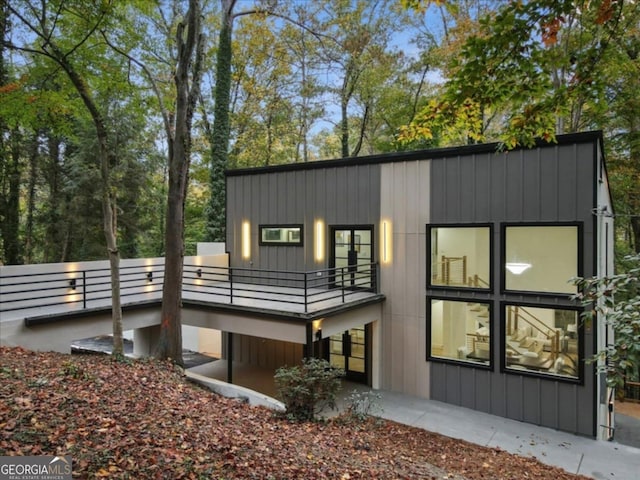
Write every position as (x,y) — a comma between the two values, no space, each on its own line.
(76,290)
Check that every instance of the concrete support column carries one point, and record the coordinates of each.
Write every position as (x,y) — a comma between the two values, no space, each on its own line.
(145,340)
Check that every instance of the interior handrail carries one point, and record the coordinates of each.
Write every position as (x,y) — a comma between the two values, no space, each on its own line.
(476,280)
(550,334)
(520,313)
(445,268)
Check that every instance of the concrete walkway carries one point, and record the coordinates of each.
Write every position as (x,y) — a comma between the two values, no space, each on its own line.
(575,454)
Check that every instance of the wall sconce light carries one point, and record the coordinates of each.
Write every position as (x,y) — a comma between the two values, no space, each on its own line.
(199,273)
(318,335)
(72,284)
(386,242)
(149,276)
(319,241)
(517,268)
(246,240)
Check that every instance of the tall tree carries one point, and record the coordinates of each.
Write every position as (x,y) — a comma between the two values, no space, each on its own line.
(261,109)
(545,67)
(216,224)
(61,33)
(189,40)
(621,119)
(177,108)
(304,48)
(519,65)
(9,161)
(220,132)
(360,33)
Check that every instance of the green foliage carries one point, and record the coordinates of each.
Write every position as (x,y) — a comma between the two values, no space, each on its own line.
(533,70)
(308,389)
(58,149)
(216,210)
(361,406)
(616,301)
(74,370)
(422,5)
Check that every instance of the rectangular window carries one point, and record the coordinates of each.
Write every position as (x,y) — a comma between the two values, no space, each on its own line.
(459,331)
(281,235)
(460,256)
(541,258)
(542,340)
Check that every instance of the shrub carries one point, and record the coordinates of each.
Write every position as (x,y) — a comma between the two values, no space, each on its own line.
(617,299)
(308,389)
(361,406)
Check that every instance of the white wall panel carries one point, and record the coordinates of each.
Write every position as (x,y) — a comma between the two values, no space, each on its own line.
(404,201)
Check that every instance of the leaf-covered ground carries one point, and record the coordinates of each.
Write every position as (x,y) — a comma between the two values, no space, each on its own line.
(143,419)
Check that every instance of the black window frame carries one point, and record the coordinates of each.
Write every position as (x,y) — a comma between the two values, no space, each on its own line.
(459,288)
(550,376)
(503,256)
(452,361)
(274,226)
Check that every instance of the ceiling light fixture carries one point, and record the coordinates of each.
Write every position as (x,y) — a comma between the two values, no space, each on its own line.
(517,268)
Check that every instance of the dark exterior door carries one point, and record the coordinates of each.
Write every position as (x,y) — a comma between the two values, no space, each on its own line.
(352,256)
(348,350)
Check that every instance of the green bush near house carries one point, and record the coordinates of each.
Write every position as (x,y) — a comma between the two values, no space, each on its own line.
(616,299)
(308,389)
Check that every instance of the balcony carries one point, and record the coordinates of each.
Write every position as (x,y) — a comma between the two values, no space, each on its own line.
(41,294)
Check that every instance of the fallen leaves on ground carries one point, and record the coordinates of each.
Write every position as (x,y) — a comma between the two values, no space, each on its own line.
(143,420)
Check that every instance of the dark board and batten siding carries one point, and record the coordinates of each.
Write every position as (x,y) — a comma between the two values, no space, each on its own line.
(549,184)
(338,195)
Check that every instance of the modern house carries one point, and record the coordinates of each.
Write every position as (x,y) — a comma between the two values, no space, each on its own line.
(470,252)
(444,274)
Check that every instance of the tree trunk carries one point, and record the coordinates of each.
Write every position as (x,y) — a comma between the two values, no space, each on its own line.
(51,50)
(109,219)
(170,344)
(635,230)
(109,224)
(363,128)
(52,246)
(216,216)
(344,125)
(31,200)
(11,224)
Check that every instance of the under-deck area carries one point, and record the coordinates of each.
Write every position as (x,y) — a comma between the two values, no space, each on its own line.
(261,315)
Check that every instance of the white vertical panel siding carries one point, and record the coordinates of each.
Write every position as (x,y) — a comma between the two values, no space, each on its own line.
(404,201)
